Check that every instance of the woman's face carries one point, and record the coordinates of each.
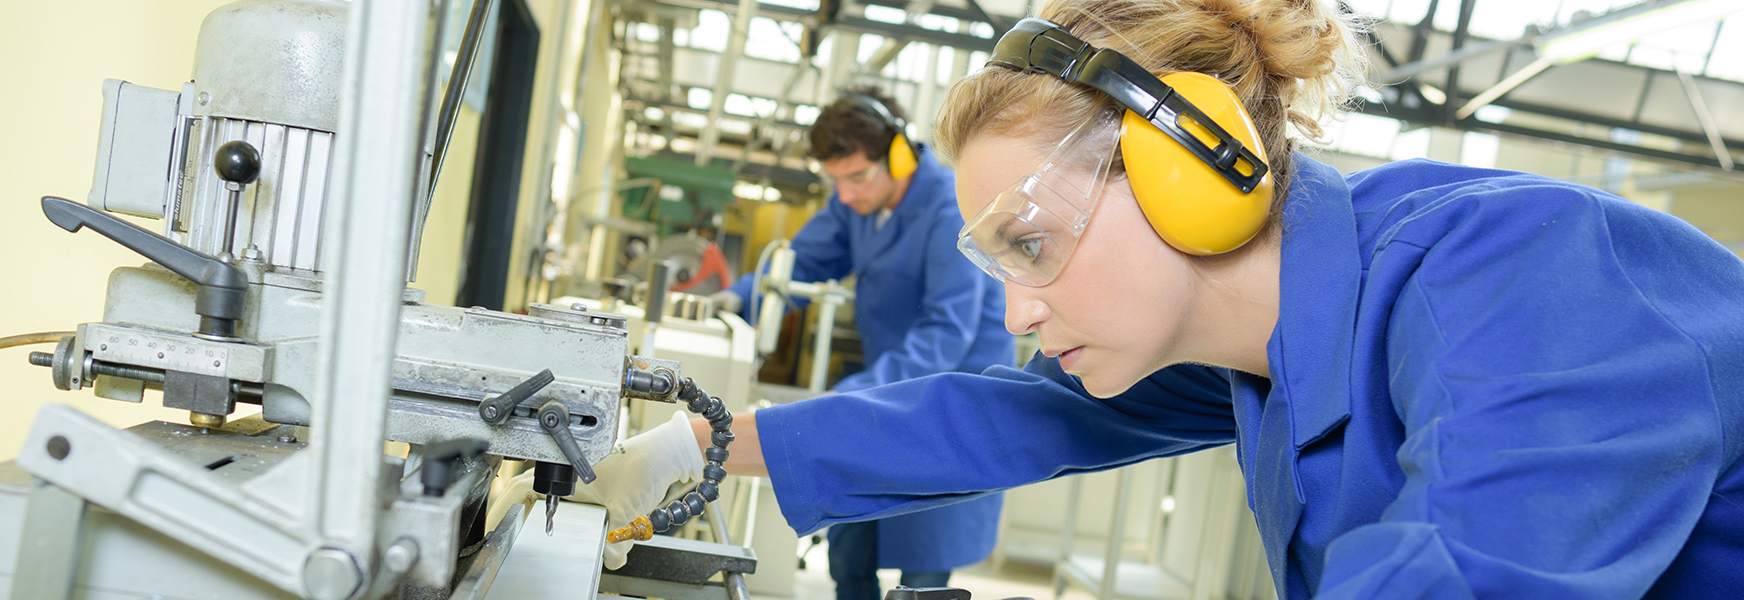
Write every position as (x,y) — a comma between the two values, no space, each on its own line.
(1117,311)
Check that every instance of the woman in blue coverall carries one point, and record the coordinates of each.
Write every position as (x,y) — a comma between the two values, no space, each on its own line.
(921,309)
(1441,381)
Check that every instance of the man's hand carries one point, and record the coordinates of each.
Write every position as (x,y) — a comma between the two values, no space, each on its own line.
(727,301)
(633,479)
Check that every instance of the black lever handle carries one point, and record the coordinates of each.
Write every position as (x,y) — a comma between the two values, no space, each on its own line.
(223,286)
(903,592)
(495,410)
(441,458)
(554,419)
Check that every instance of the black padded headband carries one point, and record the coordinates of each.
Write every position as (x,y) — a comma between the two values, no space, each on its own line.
(877,109)
(1039,46)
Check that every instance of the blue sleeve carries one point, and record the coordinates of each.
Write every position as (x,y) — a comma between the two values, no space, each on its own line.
(1561,434)
(821,252)
(945,438)
(953,294)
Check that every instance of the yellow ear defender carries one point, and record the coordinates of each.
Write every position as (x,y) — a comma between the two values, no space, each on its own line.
(1186,200)
(1192,155)
(904,158)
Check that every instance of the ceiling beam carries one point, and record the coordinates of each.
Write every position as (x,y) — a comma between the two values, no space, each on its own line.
(1433,116)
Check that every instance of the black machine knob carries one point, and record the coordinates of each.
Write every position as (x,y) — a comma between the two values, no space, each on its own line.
(223,286)
(442,461)
(237,162)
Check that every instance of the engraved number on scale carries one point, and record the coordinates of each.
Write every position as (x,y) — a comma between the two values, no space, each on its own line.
(170,354)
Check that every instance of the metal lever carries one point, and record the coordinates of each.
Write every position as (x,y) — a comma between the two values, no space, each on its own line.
(496,410)
(554,419)
(238,164)
(223,287)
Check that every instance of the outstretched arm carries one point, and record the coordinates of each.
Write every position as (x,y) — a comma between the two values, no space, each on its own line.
(745,454)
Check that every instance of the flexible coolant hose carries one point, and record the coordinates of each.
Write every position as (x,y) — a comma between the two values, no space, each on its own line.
(46,337)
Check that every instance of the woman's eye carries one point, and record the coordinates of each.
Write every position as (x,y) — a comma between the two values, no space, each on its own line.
(1031,247)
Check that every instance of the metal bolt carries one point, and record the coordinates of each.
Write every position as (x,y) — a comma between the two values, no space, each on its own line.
(578,307)
(331,574)
(252,253)
(490,412)
(285,438)
(59,447)
(400,557)
(103,347)
(205,98)
(160,355)
(217,363)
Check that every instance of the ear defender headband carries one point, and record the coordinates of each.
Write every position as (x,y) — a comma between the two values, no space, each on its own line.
(1195,163)
(904,157)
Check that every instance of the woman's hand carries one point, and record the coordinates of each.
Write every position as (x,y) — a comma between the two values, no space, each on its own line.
(634,478)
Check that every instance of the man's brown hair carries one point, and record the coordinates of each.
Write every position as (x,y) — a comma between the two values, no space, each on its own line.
(844,127)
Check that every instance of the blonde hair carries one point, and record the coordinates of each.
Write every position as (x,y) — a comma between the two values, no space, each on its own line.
(1291,62)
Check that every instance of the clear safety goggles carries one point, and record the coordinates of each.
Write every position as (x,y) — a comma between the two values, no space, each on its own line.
(1028,232)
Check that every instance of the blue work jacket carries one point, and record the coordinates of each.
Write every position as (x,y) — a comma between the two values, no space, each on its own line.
(922,309)
(1482,384)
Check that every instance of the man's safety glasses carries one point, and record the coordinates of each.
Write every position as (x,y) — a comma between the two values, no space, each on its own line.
(1028,232)
(858,180)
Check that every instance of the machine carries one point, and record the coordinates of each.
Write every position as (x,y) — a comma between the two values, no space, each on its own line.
(291,176)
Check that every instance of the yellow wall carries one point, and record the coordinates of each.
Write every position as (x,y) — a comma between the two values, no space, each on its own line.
(445,227)
(53,59)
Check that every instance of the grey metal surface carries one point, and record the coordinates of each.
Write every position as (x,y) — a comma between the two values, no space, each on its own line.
(144,347)
(239,512)
(281,216)
(121,559)
(685,561)
(372,193)
(131,475)
(565,564)
(265,62)
(489,560)
(433,522)
(444,352)
(131,153)
(239,451)
(48,556)
(204,394)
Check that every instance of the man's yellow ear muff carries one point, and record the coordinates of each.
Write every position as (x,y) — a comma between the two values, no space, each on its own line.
(902,159)
(1192,206)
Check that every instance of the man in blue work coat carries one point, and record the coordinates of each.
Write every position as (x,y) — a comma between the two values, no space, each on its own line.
(921,308)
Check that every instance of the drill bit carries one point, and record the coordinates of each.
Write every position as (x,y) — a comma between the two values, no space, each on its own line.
(550,514)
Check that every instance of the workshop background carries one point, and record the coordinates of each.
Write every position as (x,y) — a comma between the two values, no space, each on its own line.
(633,130)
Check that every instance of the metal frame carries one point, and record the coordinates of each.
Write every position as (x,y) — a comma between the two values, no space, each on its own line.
(1409,101)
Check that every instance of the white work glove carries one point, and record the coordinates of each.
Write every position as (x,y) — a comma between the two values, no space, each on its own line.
(634,478)
(727,301)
